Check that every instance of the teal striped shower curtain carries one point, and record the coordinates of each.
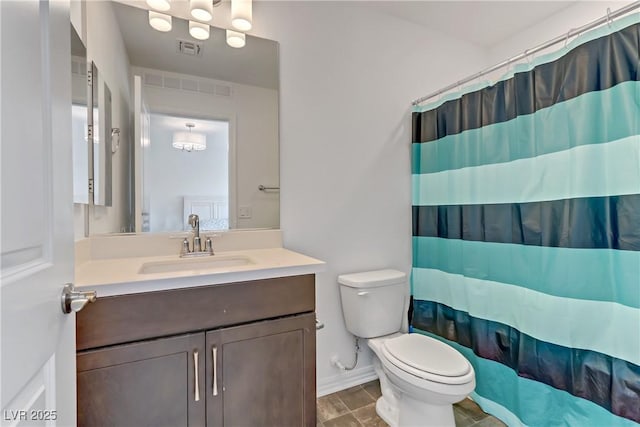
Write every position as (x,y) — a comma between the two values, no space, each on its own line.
(526,233)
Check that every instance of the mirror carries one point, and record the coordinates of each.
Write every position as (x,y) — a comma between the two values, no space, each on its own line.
(102,159)
(161,84)
(100,140)
(79,116)
(90,128)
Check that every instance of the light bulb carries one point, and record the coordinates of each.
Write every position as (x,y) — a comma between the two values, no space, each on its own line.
(161,5)
(198,30)
(235,39)
(202,10)
(241,14)
(160,21)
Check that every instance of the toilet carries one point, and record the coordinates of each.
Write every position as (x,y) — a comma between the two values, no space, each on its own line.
(420,377)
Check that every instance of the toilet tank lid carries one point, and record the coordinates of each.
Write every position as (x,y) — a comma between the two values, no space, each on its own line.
(372,279)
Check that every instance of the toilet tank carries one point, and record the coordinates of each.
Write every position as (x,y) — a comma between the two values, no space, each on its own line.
(373,302)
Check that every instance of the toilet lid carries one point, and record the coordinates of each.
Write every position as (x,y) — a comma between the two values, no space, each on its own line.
(428,355)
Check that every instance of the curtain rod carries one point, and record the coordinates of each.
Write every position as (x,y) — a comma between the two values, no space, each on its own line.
(573,32)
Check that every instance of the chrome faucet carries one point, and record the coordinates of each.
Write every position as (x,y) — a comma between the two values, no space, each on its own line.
(194,222)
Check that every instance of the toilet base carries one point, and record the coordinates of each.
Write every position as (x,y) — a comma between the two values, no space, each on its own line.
(388,413)
(414,413)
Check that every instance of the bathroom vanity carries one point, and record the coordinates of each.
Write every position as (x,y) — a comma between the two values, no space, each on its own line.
(201,349)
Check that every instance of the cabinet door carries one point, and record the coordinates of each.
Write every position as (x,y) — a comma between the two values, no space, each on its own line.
(264,373)
(151,383)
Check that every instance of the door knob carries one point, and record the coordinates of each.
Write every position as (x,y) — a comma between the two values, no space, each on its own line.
(74,301)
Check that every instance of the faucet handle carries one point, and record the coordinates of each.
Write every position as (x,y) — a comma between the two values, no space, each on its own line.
(208,245)
(185,247)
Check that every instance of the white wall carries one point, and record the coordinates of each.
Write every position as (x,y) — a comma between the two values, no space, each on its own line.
(572,17)
(253,114)
(106,48)
(348,76)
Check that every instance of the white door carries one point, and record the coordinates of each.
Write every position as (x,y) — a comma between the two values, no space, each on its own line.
(38,340)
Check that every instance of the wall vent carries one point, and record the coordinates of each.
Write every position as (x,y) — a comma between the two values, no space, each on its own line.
(151,79)
(190,48)
(190,85)
(207,87)
(171,82)
(223,90)
(183,83)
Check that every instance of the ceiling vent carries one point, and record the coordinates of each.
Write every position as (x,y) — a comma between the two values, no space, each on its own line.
(190,48)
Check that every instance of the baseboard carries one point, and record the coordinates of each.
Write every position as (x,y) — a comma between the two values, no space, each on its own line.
(345,380)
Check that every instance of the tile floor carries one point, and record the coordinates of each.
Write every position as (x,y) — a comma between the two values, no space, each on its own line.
(356,407)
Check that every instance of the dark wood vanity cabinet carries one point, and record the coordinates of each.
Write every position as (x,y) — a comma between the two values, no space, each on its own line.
(242,367)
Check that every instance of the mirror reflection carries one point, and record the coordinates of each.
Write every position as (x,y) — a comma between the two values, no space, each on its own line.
(197,151)
(166,86)
(79,115)
(100,140)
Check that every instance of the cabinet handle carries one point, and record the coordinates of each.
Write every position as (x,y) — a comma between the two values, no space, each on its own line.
(214,350)
(195,368)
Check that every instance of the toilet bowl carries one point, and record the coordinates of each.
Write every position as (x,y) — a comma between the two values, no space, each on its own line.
(420,377)
(424,384)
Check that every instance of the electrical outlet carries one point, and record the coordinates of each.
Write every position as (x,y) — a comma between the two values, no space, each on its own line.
(244,212)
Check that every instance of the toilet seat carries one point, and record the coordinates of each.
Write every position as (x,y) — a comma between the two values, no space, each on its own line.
(427,358)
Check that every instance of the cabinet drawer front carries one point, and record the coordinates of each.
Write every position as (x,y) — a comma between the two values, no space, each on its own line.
(128,318)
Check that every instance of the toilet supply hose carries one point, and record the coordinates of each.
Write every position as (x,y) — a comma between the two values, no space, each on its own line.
(339,365)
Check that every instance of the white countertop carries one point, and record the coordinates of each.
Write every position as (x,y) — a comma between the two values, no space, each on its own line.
(119,276)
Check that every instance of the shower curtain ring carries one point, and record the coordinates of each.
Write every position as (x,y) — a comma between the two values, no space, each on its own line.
(566,40)
(609,20)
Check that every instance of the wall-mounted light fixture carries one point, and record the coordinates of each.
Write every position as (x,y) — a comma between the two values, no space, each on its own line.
(189,141)
(241,14)
(160,21)
(202,11)
(161,5)
(236,39)
(198,30)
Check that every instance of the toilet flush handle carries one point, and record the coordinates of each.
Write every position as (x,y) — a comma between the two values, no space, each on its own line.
(363,293)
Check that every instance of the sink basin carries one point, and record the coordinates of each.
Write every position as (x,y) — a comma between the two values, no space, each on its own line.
(194,264)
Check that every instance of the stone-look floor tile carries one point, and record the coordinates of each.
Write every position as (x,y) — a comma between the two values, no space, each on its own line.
(461,419)
(490,421)
(373,388)
(355,407)
(368,416)
(347,420)
(471,409)
(329,407)
(355,397)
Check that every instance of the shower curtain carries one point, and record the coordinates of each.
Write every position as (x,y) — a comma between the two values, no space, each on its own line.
(526,233)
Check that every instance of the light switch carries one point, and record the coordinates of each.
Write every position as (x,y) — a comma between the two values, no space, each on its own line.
(244,212)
